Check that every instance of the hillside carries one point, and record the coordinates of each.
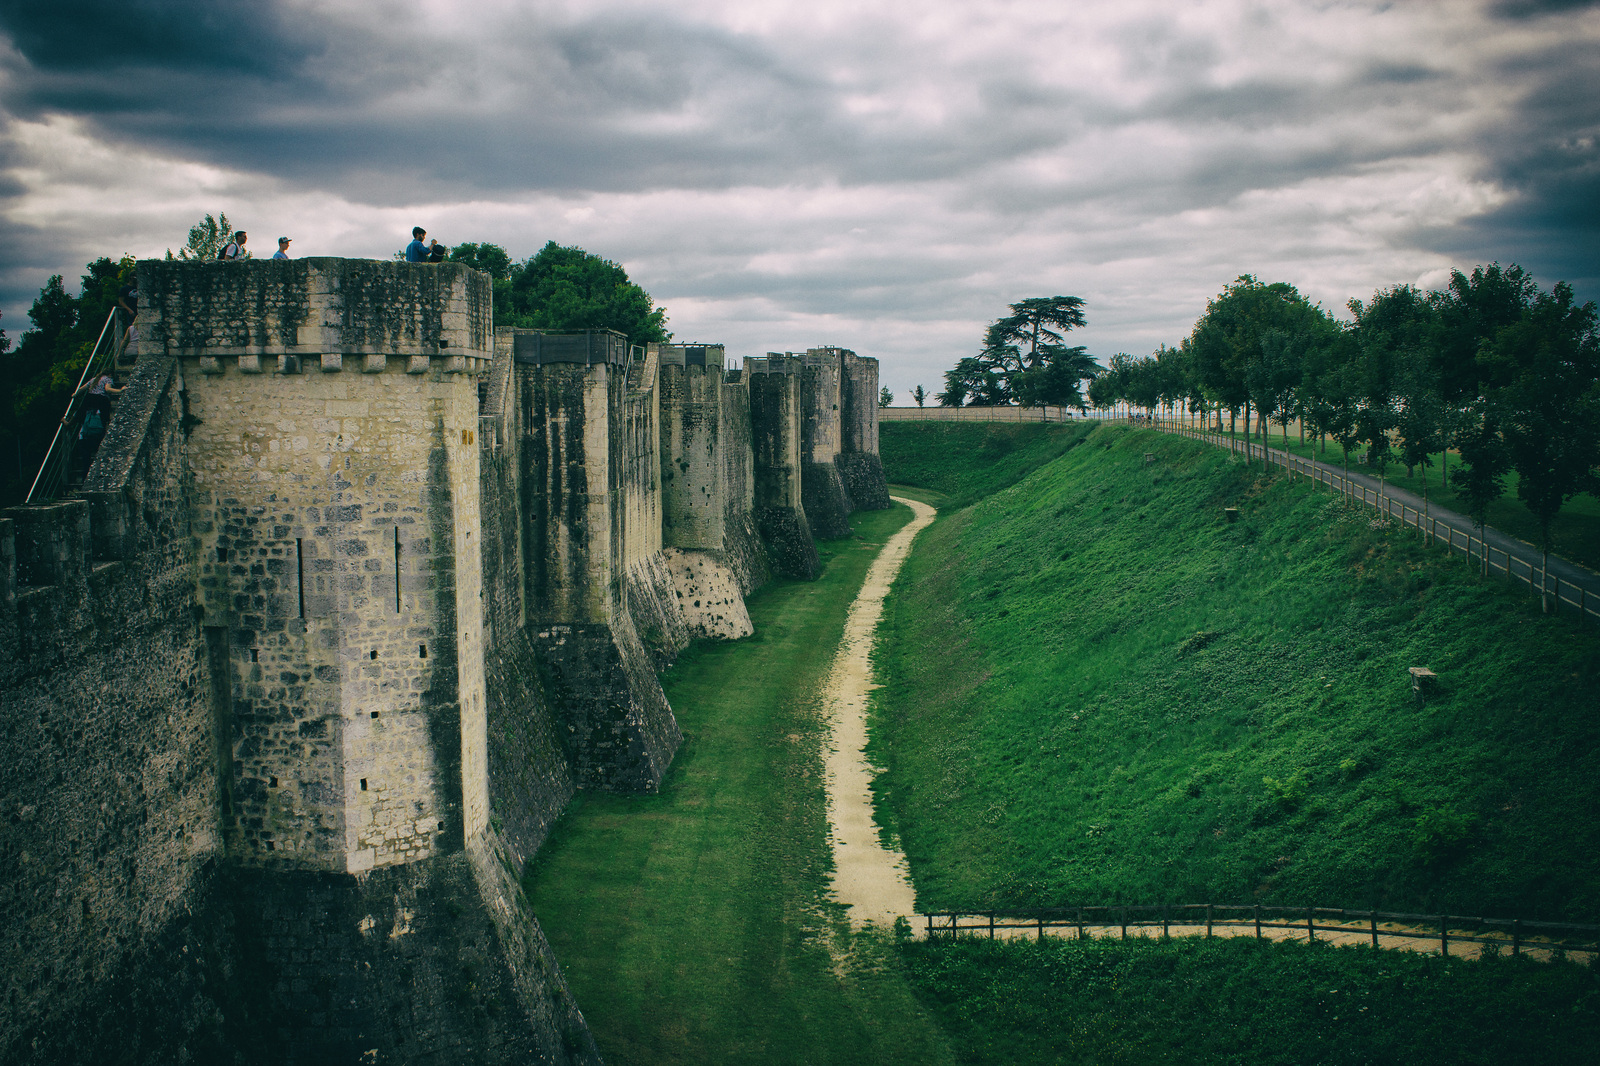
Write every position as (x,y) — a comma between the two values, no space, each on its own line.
(1132,700)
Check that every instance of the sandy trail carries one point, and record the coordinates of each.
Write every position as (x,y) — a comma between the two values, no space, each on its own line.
(868,878)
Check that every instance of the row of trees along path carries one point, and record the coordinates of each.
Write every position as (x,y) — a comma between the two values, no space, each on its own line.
(1564,584)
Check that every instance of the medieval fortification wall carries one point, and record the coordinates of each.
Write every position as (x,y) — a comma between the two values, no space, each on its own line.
(357,594)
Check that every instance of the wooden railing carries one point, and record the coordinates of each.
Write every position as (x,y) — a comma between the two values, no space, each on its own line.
(1513,934)
(1455,532)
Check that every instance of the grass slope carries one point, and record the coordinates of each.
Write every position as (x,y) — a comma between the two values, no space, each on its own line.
(1233,1001)
(965,461)
(691,924)
(1574,534)
(1098,691)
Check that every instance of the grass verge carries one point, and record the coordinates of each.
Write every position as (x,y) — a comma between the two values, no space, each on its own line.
(1099,691)
(1240,1000)
(692,924)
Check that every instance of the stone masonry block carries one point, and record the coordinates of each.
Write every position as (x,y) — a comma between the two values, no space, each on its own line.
(375,363)
(418,364)
(332,362)
(249,364)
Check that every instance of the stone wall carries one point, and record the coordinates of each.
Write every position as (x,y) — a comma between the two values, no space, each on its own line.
(860,467)
(108,762)
(349,608)
(826,503)
(597,673)
(335,504)
(774,385)
(236,951)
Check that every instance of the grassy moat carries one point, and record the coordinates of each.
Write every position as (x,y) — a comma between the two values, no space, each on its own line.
(1097,691)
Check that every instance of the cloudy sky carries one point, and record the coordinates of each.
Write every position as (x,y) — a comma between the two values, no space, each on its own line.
(881,175)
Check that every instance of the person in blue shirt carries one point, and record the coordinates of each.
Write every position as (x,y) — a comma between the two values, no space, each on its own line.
(283,249)
(416,251)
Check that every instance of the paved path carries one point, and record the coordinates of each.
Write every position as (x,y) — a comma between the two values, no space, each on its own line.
(869,878)
(1578,587)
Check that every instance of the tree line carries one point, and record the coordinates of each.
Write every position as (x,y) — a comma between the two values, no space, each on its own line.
(1492,367)
(559,287)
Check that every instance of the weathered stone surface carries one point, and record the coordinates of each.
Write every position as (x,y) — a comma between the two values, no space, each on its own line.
(349,607)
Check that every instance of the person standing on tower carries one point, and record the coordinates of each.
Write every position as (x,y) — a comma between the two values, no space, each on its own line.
(416,251)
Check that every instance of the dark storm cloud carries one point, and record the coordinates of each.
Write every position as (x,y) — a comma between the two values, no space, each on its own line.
(1531,9)
(1547,154)
(77,36)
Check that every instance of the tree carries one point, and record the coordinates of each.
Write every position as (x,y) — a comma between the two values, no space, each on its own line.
(1485,462)
(885,397)
(206,238)
(1229,357)
(38,375)
(1025,354)
(1549,404)
(1057,380)
(494,261)
(569,288)
(918,394)
(971,384)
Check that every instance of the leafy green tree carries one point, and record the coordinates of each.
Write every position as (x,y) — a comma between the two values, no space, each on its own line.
(971,384)
(1057,380)
(1025,352)
(206,238)
(569,288)
(38,375)
(1227,342)
(885,397)
(919,395)
(1485,461)
(1549,403)
(494,261)
(1473,309)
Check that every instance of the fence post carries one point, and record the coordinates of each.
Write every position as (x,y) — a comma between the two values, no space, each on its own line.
(1373,918)
(1039,918)
(1516,936)
(1124,923)
(1444,935)
(930,926)
(991,925)
(1208,921)
(1080,923)
(1258,921)
(1166,921)
(1311,925)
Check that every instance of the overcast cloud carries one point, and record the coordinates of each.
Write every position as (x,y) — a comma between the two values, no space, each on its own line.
(885,176)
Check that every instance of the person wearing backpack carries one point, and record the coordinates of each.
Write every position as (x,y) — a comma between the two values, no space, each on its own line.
(96,417)
(234,249)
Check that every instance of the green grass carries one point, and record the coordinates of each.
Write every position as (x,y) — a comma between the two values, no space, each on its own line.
(1098,691)
(1247,1001)
(1574,535)
(692,924)
(968,460)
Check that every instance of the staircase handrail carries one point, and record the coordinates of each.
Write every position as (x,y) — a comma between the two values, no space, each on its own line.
(59,458)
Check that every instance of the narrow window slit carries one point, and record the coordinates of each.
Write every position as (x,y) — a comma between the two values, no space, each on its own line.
(255,655)
(300,573)
(364,780)
(396,569)
(422,651)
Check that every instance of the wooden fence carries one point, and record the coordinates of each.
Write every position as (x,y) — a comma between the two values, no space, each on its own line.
(1547,938)
(1490,557)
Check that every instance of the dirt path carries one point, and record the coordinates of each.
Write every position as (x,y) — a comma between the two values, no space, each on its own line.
(868,878)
